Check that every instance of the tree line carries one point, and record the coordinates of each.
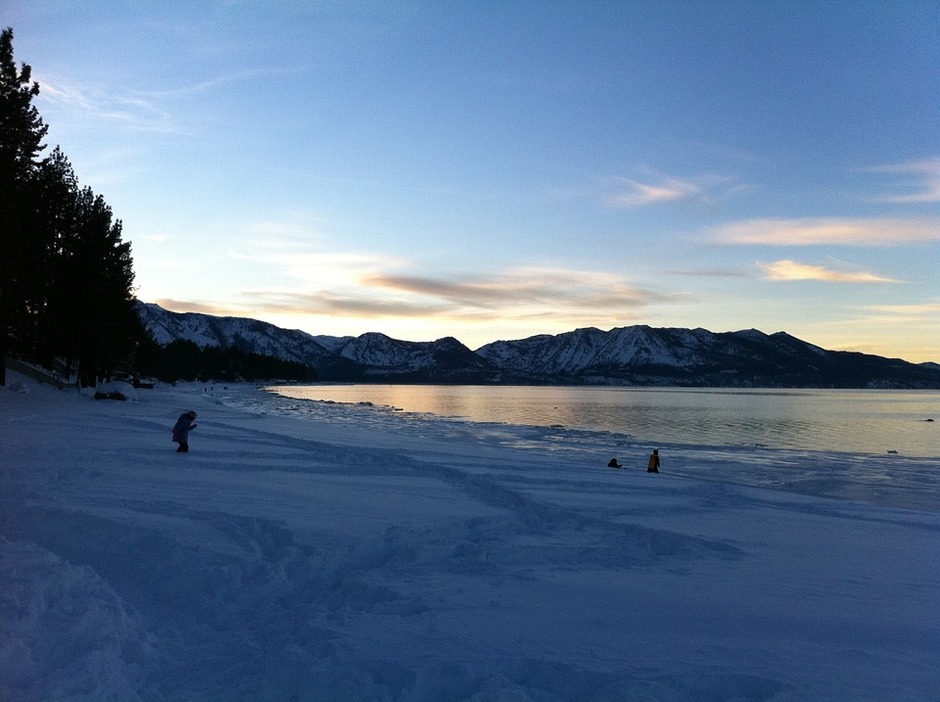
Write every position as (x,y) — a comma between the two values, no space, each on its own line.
(66,275)
(184,360)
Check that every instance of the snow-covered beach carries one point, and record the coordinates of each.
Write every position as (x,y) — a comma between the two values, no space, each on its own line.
(291,559)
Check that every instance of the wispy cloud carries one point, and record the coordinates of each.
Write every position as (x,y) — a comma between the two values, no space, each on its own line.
(287,231)
(916,312)
(819,231)
(792,270)
(714,272)
(131,110)
(221,81)
(346,303)
(649,188)
(188,306)
(522,288)
(920,181)
(154,110)
(919,324)
(629,192)
(520,294)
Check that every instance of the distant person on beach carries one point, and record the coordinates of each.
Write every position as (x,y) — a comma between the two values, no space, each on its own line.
(613,464)
(181,430)
(652,466)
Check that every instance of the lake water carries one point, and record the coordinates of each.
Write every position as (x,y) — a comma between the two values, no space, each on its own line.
(852,421)
(857,445)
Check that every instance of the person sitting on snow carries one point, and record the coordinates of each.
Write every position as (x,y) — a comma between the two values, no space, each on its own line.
(181,430)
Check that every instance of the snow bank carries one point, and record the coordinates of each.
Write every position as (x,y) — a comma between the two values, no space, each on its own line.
(20,387)
(66,634)
(287,558)
(115,390)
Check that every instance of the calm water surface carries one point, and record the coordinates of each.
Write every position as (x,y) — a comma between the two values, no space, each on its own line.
(857,421)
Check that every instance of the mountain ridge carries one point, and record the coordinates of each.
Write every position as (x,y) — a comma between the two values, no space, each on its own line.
(632,355)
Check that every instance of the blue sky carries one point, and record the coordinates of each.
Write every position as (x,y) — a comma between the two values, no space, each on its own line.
(494,170)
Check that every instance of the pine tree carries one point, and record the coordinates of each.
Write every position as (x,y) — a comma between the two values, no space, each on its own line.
(21,135)
(93,304)
(50,216)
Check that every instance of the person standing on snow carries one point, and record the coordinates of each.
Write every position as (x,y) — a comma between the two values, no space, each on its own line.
(652,466)
(181,430)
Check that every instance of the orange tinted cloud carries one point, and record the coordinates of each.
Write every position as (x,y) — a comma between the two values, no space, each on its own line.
(635,193)
(820,231)
(791,270)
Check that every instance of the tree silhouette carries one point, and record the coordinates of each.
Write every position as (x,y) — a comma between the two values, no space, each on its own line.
(21,134)
(66,274)
(48,216)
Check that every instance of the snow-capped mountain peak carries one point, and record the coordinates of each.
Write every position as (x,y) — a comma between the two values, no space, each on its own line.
(633,355)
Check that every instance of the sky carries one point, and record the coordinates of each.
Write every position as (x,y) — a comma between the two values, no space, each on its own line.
(493,170)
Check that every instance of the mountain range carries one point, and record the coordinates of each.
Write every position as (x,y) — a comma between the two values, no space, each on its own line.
(633,355)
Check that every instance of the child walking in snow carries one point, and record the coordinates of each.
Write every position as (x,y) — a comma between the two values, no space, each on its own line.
(181,430)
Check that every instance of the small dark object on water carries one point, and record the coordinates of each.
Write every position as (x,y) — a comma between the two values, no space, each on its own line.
(613,464)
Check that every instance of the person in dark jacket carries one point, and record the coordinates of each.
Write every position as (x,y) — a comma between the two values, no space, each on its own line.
(652,466)
(181,430)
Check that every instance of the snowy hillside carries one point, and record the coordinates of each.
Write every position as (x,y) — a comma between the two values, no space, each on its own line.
(591,348)
(644,355)
(248,334)
(382,352)
(635,355)
(636,346)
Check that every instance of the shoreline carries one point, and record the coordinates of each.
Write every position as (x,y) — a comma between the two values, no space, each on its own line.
(886,479)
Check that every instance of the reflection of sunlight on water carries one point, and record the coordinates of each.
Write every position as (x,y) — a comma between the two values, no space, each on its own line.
(851,421)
